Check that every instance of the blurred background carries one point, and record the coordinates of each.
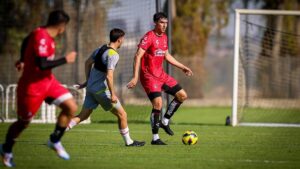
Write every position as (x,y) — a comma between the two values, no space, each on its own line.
(202,37)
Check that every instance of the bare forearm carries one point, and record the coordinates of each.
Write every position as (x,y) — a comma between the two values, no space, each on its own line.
(110,84)
(87,71)
(88,66)
(174,62)
(136,66)
(137,62)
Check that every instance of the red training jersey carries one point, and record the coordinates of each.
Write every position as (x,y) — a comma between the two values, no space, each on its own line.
(155,47)
(40,44)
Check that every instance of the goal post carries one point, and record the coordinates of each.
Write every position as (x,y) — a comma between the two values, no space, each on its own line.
(266,68)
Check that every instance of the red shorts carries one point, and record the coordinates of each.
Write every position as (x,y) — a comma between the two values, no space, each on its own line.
(30,96)
(152,84)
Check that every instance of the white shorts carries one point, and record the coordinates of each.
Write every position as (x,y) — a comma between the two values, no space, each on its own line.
(92,100)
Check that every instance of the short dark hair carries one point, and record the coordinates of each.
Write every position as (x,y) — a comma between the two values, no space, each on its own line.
(115,34)
(57,17)
(158,16)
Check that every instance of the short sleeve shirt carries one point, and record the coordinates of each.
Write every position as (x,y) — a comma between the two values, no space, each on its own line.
(97,79)
(155,49)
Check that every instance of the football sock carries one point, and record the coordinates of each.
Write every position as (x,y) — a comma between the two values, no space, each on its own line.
(155,137)
(172,108)
(57,134)
(126,136)
(155,120)
(72,124)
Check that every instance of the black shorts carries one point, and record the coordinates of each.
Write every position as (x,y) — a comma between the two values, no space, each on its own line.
(170,90)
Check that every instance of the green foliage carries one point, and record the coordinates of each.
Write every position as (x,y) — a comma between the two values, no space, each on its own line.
(18,18)
(290,23)
(193,23)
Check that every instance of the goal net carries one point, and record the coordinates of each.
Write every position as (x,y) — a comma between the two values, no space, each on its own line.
(266,86)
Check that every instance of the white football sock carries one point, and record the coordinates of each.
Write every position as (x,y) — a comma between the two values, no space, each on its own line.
(72,124)
(165,121)
(126,136)
(155,137)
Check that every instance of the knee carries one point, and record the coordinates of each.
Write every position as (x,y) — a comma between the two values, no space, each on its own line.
(182,97)
(70,109)
(157,105)
(122,116)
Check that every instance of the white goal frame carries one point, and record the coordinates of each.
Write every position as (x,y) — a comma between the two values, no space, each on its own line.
(239,12)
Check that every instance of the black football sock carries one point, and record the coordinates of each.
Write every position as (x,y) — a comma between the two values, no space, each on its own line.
(57,134)
(172,108)
(155,120)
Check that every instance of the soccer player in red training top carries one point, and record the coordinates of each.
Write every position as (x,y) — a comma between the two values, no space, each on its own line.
(38,84)
(152,51)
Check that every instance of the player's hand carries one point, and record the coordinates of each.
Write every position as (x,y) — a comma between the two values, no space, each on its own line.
(187,71)
(114,99)
(71,57)
(19,65)
(132,83)
(80,86)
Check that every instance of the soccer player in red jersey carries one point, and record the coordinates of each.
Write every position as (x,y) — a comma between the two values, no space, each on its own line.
(38,84)
(152,51)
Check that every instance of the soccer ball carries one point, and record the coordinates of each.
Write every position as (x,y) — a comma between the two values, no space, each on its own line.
(189,138)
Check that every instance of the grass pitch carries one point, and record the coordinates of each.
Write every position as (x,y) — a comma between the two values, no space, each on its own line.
(99,145)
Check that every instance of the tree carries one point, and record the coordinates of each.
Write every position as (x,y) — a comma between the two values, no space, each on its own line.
(192,24)
(283,46)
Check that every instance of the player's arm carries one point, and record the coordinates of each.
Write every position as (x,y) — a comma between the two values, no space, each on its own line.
(20,63)
(110,84)
(174,62)
(43,63)
(136,67)
(88,66)
(87,69)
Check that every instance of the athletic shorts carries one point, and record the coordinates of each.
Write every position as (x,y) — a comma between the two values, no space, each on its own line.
(92,100)
(153,86)
(30,96)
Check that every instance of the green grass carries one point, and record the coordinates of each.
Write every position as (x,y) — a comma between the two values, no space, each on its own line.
(99,145)
(185,115)
(271,115)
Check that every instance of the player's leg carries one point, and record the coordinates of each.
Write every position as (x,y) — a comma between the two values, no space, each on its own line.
(179,98)
(121,114)
(156,101)
(27,106)
(83,115)
(90,103)
(68,108)
(153,88)
(61,97)
(13,133)
(118,110)
(173,88)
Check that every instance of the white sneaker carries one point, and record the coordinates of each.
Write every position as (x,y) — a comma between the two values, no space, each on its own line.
(59,149)
(7,158)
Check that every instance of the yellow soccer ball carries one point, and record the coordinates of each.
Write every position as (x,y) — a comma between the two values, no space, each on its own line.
(189,138)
